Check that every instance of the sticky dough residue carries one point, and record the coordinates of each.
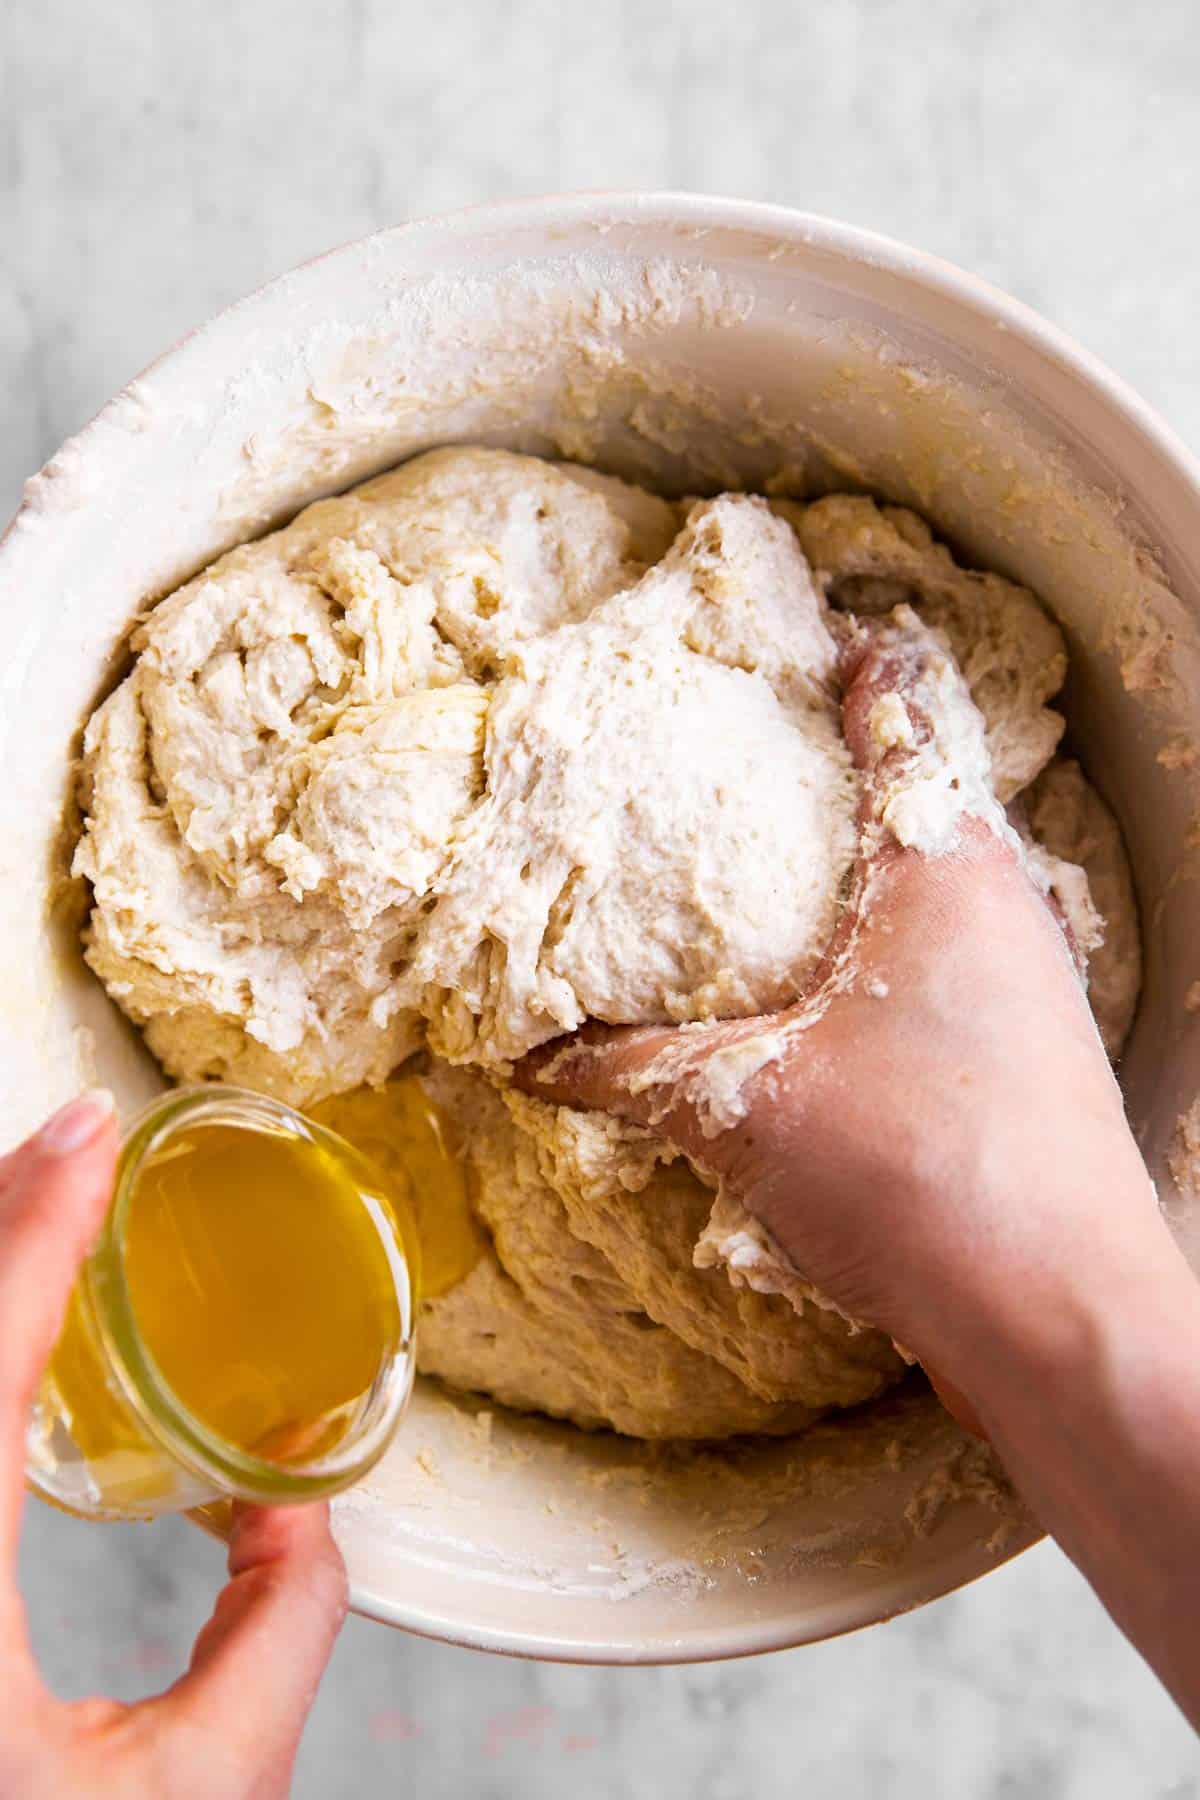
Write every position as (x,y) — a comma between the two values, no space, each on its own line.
(490,746)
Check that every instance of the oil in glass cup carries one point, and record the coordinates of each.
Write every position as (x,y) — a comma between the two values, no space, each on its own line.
(243,1327)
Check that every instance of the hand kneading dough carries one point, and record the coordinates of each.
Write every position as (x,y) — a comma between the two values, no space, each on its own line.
(490,746)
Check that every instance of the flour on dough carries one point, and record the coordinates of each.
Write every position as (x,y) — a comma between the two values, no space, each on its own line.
(870,558)
(490,746)
(275,792)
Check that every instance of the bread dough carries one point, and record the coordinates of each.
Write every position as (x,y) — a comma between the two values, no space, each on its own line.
(490,746)
(1070,821)
(589,1306)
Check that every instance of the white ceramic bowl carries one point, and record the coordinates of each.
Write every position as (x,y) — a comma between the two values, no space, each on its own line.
(693,343)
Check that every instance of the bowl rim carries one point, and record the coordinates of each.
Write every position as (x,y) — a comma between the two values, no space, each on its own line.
(974,299)
(853,245)
(719,1643)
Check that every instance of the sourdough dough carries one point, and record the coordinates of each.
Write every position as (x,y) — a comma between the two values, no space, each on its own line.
(491,746)
(1070,821)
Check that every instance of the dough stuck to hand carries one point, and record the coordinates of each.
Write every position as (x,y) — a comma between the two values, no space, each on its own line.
(490,746)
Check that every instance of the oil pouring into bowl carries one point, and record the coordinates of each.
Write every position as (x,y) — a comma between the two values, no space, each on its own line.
(243,1327)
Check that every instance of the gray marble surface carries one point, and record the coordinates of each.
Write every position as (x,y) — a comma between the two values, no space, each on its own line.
(159,159)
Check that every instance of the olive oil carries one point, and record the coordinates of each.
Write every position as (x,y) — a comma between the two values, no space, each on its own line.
(261,1286)
(407,1136)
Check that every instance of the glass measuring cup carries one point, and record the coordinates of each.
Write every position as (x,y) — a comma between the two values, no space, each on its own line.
(116,1429)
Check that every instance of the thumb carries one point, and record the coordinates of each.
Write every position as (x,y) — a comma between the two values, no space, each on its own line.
(600,1066)
(669,1077)
(259,1660)
(53,1193)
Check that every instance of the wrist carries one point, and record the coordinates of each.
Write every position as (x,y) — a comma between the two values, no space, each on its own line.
(1076,1335)
(1050,1306)
(1090,1395)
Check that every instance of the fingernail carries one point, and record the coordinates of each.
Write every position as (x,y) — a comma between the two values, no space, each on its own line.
(77,1124)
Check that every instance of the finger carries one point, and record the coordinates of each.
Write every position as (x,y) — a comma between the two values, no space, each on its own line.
(54,1190)
(956,1403)
(671,1078)
(884,668)
(599,1066)
(257,1664)
(881,662)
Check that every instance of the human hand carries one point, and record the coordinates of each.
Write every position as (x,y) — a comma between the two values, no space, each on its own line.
(230,1727)
(940,1137)
(941,1147)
